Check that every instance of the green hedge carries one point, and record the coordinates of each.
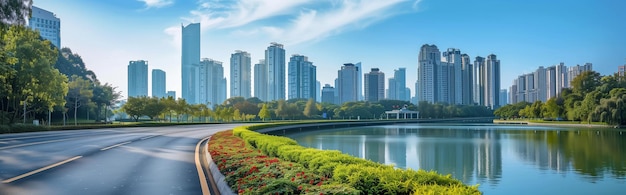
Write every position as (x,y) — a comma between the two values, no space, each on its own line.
(364,175)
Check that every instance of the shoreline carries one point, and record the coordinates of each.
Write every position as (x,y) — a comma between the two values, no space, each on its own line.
(550,124)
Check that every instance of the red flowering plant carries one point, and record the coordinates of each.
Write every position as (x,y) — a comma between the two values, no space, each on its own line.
(250,171)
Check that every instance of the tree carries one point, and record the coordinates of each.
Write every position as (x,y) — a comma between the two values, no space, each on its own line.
(237,115)
(153,107)
(586,82)
(14,12)
(281,109)
(134,107)
(311,109)
(264,113)
(27,75)
(79,94)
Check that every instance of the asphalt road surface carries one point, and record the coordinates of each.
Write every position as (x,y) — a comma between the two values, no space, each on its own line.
(143,160)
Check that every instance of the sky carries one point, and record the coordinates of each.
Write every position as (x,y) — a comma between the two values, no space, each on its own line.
(385,34)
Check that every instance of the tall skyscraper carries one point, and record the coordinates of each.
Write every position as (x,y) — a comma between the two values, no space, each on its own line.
(240,75)
(467,75)
(302,78)
(137,78)
(427,73)
(275,60)
(359,81)
(540,84)
(492,82)
(562,81)
(503,97)
(392,93)
(347,83)
(455,85)
(479,77)
(374,85)
(318,90)
(48,25)
(328,94)
(621,70)
(550,83)
(212,82)
(158,83)
(260,80)
(190,60)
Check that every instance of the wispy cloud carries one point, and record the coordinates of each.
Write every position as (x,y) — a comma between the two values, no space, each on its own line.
(293,21)
(156,3)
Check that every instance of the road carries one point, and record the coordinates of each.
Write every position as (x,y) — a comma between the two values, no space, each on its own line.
(143,160)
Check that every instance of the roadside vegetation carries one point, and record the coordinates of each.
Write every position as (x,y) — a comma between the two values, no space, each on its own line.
(255,163)
(592,99)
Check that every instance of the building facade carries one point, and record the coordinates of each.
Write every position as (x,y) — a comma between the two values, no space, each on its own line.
(428,68)
(158,83)
(260,80)
(492,82)
(347,83)
(302,78)
(137,78)
(275,60)
(374,85)
(190,61)
(467,75)
(212,82)
(240,75)
(48,25)
(328,94)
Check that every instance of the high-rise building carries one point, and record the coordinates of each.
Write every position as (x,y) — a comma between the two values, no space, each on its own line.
(562,81)
(347,84)
(240,74)
(318,91)
(397,85)
(621,70)
(428,72)
(275,60)
(492,82)
(190,60)
(540,84)
(467,75)
(212,82)
(171,94)
(454,60)
(479,76)
(503,97)
(302,78)
(374,85)
(137,78)
(359,81)
(328,94)
(392,94)
(574,71)
(48,25)
(260,80)
(550,83)
(158,83)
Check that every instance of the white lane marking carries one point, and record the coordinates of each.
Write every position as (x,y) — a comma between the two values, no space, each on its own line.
(145,138)
(34,143)
(40,170)
(203,184)
(116,145)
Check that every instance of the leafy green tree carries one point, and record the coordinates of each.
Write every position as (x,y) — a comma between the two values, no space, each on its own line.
(181,108)
(264,113)
(311,109)
(79,94)
(553,108)
(14,12)
(26,74)
(237,115)
(153,107)
(281,109)
(134,107)
(586,82)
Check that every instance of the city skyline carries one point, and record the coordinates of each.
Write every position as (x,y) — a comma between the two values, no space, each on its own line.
(567,36)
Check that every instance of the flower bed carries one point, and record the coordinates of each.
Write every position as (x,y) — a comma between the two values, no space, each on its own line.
(255,163)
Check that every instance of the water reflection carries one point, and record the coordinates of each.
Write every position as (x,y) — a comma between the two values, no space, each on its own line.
(475,154)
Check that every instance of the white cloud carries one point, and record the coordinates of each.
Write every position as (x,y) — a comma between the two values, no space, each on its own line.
(157,3)
(293,21)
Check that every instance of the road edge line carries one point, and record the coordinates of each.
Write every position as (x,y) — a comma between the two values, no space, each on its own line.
(202,177)
(40,170)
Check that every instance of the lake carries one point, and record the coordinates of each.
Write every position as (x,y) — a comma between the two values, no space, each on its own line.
(502,159)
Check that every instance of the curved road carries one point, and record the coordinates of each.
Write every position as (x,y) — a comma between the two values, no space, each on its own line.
(143,160)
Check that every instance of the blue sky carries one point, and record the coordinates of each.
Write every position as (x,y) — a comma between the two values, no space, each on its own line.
(380,34)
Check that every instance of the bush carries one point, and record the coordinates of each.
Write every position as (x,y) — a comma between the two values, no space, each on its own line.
(18,128)
(364,176)
(5,129)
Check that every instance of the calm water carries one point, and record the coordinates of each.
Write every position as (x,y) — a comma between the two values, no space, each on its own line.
(502,159)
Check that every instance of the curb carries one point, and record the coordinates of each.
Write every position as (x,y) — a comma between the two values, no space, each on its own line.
(219,179)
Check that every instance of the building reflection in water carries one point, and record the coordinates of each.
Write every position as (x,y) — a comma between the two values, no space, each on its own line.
(476,154)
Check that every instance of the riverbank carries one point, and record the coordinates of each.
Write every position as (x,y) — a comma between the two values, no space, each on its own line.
(550,123)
